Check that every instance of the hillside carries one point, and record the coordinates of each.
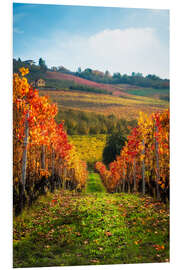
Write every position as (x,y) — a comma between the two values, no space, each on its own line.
(74,94)
(96,81)
(80,81)
(120,90)
(127,107)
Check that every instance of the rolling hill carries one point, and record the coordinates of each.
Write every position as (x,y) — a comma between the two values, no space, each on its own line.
(122,100)
(115,90)
(80,81)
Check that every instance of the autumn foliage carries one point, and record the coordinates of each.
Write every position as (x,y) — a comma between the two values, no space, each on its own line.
(42,155)
(143,164)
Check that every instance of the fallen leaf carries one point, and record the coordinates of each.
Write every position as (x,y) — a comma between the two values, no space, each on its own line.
(108,234)
(94,261)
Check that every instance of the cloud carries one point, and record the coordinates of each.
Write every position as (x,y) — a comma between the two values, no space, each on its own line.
(18,17)
(124,51)
(17,30)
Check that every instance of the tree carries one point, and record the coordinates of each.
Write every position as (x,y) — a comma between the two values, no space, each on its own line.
(83,127)
(42,64)
(79,70)
(113,147)
(88,70)
(107,73)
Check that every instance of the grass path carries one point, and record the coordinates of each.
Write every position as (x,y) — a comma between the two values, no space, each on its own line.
(64,229)
(94,183)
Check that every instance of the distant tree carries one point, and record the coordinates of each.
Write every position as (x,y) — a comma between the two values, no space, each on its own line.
(152,77)
(94,127)
(113,147)
(139,74)
(88,70)
(79,70)
(107,73)
(83,127)
(116,75)
(103,128)
(42,64)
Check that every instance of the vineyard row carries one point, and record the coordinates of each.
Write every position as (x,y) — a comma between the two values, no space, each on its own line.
(143,164)
(42,156)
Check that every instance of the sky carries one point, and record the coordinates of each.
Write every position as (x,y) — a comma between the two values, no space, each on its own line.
(121,40)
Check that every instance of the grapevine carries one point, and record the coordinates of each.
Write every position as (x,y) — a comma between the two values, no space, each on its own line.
(143,164)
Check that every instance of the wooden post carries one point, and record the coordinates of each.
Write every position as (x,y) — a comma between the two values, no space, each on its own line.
(157,165)
(53,156)
(43,162)
(24,157)
(52,183)
(134,174)
(128,180)
(64,177)
(143,170)
(123,180)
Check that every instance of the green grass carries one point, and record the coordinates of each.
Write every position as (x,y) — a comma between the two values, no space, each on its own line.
(91,228)
(94,183)
(148,92)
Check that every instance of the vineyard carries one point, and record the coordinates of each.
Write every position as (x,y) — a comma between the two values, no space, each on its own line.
(143,164)
(42,156)
(126,106)
(90,148)
(70,208)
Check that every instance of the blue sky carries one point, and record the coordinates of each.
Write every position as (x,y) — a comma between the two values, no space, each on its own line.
(115,39)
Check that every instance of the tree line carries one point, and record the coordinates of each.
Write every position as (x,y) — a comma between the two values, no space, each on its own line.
(89,123)
(137,79)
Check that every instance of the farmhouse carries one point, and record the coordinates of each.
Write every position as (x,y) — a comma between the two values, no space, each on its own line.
(40,83)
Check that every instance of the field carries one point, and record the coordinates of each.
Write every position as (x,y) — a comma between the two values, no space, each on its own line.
(89,148)
(67,77)
(123,107)
(149,92)
(93,228)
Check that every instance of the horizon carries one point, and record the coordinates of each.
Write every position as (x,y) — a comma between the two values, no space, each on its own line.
(111,74)
(83,36)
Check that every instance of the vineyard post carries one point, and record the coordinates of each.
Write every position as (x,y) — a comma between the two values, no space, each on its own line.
(24,157)
(53,155)
(64,177)
(157,164)
(123,179)
(119,186)
(143,170)
(52,184)
(134,174)
(43,165)
(128,176)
